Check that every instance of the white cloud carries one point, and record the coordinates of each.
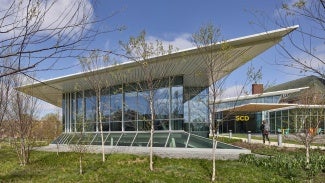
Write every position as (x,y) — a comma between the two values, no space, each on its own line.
(46,108)
(52,13)
(232,91)
(180,42)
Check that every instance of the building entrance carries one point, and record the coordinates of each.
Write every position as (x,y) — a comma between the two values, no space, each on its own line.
(239,123)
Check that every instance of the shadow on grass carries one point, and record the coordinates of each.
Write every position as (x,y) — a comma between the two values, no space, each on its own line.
(20,173)
(6,153)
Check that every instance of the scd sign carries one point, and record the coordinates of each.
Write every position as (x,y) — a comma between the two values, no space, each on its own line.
(241,118)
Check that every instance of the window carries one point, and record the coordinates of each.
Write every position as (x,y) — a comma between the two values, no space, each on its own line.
(90,110)
(79,112)
(105,108)
(116,112)
(126,107)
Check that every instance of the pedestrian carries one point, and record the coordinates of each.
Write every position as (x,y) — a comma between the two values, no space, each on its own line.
(265,131)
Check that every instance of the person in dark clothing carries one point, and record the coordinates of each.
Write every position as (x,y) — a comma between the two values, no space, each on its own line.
(265,131)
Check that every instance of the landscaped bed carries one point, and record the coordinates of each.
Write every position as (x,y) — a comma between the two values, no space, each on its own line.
(48,167)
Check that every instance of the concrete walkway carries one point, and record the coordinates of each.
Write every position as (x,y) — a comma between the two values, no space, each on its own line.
(320,140)
(165,152)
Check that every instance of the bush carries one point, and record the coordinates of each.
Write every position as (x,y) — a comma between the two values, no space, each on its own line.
(289,166)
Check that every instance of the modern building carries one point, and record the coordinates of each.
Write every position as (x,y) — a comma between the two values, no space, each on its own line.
(181,96)
(286,107)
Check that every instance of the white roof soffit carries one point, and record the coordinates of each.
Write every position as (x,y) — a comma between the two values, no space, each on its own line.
(301,107)
(246,97)
(190,63)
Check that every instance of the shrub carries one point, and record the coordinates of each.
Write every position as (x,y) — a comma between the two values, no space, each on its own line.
(289,166)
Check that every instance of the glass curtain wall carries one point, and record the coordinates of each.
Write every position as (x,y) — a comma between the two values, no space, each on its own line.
(79,113)
(143,111)
(177,104)
(126,108)
(196,111)
(131,111)
(116,108)
(162,108)
(90,109)
(104,107)
(292,120)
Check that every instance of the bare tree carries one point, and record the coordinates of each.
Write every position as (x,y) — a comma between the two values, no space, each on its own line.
(206,40)
(308,119)
(22,115)
(207,37)
(80,142)
(305,52)
(305,49)
(35,34)
(139,50)
(48,128)
(96,82)
(5,84)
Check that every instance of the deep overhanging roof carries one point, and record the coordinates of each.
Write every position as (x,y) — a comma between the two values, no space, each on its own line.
(257,107)
(260,95)
(189,63)
(300,107)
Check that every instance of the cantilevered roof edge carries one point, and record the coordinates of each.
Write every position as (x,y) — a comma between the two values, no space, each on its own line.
(52,84)
(278,33)
(245,97)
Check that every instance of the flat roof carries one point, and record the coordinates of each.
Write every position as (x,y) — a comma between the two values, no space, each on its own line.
(260,95)
(257,107)
(188,63)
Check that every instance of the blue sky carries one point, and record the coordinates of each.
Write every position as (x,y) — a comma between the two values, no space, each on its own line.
(174,21)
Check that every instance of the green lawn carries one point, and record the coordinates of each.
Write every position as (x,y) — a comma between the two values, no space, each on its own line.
(48,167)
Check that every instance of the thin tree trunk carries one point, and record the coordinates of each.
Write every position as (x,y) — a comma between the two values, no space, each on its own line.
(101,132)
(214,159)
(80,164)
(151,150)
(57,148)
(307,154)
(102,137)
(23,150)
(151,132)
(27,153)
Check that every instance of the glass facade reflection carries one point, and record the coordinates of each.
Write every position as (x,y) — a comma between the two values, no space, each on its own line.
(292,120)
(281,120)
(126,108)
(196,114)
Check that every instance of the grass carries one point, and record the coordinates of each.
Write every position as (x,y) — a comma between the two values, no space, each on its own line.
(48,167)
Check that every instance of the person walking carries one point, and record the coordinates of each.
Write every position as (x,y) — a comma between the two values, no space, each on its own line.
(265,131)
